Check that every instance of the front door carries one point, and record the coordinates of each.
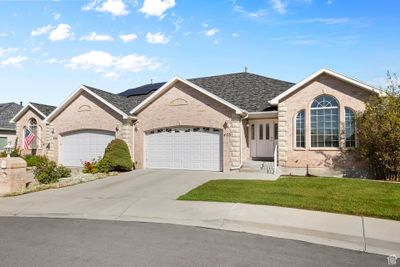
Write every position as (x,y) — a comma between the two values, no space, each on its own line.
(263,136)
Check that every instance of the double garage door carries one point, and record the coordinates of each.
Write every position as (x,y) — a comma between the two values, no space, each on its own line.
(184,148)
(85,145)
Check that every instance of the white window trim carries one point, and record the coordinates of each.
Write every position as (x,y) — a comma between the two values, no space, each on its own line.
(295,131)
(310,128)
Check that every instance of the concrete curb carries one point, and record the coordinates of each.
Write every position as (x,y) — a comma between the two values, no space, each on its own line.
(344,231)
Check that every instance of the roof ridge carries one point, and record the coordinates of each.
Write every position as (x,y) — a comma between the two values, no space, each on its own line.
(35,103)
(108,92)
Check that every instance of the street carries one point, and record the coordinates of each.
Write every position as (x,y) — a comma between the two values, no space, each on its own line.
(76,242)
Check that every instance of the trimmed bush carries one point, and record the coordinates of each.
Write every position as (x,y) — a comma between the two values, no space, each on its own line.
(47,172)
(118,156)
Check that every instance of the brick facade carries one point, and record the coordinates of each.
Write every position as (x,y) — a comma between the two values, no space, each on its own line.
(182,106)
(347,95)
(42,131)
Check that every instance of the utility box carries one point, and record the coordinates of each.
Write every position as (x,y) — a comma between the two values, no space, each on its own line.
(12,175)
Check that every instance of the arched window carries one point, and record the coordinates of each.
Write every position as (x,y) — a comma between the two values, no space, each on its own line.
(33,127)
(325,122)
(350,127)
(300,130)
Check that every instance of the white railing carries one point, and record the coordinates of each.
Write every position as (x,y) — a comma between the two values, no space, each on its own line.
(275,158)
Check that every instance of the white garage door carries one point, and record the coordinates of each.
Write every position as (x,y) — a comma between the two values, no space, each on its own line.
(84,145)
(189,148)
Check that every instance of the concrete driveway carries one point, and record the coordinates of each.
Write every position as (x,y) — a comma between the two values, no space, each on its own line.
(150,196)
(108,197)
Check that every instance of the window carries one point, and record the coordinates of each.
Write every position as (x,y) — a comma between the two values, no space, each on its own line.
(300,130)
(261,135)
(350,127)
(3,142)
(275,131)
(325,122)
(252,133)
(34,129)
(267,131)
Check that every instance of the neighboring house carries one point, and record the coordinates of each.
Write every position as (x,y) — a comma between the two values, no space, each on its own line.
(32,116)
(215,123)
(7,129)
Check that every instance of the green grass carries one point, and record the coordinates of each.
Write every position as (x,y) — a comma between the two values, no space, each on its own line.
(349,196)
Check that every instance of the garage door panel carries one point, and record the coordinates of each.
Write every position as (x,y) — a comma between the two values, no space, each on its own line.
(190,149)
(83,146)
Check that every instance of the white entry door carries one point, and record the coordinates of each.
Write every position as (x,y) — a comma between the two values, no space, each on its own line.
(184,148)
(85,145)
(263,137)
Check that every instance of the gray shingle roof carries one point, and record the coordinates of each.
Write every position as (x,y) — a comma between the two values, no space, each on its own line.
(45,109)
(245,90)
(7,112)
(121,102)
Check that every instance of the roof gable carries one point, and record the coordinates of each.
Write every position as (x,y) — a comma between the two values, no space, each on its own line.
(109,99)
(294,88)
(248,91)
(169,84)
(38,108)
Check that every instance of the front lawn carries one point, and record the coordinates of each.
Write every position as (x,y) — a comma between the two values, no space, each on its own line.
(339,195)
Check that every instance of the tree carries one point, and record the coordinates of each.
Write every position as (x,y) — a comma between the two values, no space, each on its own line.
(378,131)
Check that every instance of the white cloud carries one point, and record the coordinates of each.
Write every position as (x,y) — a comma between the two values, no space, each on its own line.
(235,34)
(111,75)
(250,14)
(3,51)
(41,30)
(136,63)
(53,61)
(328,21)
(13,61)
(109,65)
(56,16)
(211,32)
(96,60)
(62,32)
(278,6)
(128,37)
(156,7)
(156,38)
(114,7)
(96,37)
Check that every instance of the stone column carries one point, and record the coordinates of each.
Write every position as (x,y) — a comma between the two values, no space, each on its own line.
(12,175)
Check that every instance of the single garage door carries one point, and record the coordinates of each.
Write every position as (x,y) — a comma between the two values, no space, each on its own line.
(184,148)
(85,145)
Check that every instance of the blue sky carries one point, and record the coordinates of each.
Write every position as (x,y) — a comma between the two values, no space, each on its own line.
(49,48)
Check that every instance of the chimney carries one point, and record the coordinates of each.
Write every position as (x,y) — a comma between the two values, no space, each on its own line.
(20,103)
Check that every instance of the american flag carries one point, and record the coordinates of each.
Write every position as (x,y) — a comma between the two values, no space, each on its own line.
(29,136)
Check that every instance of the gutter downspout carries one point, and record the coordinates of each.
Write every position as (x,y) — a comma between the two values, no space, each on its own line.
(241,143)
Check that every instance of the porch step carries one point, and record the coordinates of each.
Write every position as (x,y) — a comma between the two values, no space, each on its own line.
(258,166)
